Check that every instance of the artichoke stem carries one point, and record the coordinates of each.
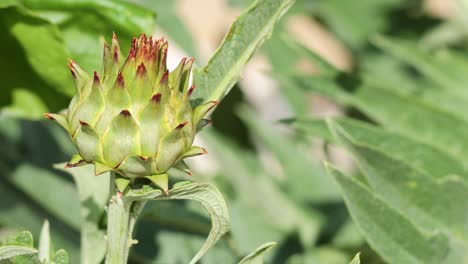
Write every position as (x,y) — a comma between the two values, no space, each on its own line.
(121,220)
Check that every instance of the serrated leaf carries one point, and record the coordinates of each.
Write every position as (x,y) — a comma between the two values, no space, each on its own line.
(246,34)
(45,243)
(257,256)
(11,251)
(206,194)
(388,232)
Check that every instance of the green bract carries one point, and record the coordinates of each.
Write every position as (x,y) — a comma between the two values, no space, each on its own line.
(134,117)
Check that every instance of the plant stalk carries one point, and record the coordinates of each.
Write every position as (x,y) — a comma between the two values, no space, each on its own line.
(122,216)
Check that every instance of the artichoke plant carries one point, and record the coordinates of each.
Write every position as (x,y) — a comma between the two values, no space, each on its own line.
(134,117)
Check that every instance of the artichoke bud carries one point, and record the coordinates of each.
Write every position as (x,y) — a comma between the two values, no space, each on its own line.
(134,117)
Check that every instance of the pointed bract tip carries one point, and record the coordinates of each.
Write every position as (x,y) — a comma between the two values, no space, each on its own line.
(120,80)
(73,165)
(114,36)
(96,77)
(190,61)
(125,113)
(143,158)
(190,90)
(48,116)
(205,151)
(141,70)
(189,173)
(83,123)
(116,54)
(156,98)
(165,76)
(181,125)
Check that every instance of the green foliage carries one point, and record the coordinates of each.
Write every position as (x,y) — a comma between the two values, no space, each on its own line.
(20,249)
(256,257)
(208,195)
(408,198)
(246,34)
(406,127)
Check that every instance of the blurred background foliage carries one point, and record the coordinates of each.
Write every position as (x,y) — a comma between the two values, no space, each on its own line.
(391,73)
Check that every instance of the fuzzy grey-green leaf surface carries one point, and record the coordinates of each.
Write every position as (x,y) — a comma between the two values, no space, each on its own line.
(206,194)
(390,233)
(246,34)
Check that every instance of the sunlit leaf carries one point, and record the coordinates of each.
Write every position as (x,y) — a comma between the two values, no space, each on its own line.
(247,33)
(257,256)
(206,194)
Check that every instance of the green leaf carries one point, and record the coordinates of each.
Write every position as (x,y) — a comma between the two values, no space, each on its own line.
(262,198)
(246,34)
(25,104)
(447,68)
(61,257)
(206,194)
(39,188)
(356,259)
(388,232)
(294,161)
(17,247)
(415,119)
(421,156)
(434,205)
(45,243)
(11,251)
(42,45)
(84,25)
(24,238)
(355,21)
(35,76)
(321,254)
(256,257)
(93,193)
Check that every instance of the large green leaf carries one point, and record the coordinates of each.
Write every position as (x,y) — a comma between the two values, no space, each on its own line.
(262,198)
(206,194)
(426,158)
(434,205)
(246,34)
(36,182)
(298,168)
(34,75)
(416,119)
(447,68)
(391,234)
(93,194)
(355,21)
(84,25)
